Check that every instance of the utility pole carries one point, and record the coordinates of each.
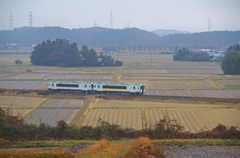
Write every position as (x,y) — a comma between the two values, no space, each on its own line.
(30,19)
(11,21)
(209,24)
(95,24)
(111,21)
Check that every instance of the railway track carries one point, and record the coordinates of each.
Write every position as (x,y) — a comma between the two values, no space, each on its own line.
(127,96)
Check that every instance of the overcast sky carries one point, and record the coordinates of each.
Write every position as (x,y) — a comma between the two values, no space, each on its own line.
(184,15)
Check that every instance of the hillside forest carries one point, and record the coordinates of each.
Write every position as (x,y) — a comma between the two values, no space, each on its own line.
(132,39)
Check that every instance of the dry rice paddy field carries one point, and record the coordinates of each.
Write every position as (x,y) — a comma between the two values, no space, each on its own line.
(20,106)
(120,117)
(197,119)
(161,75)
(36,110)
(139,115)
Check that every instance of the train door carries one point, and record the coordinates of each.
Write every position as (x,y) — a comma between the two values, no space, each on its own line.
(92,87)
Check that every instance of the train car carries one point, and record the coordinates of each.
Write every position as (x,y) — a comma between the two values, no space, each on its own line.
(69,86)
(97,87)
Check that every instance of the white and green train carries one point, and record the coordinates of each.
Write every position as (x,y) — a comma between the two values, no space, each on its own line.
(96,87)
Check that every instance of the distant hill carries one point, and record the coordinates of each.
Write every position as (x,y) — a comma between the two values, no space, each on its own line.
(164,32)
(95,36)
(128,37)
(212,39)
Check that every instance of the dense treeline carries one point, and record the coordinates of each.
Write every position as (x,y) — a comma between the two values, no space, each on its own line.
(63,53)
(231,60)
(185,55)
(119,39)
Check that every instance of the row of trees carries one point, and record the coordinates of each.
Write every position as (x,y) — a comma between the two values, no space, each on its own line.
(231,60)
(185,55)
(63,53)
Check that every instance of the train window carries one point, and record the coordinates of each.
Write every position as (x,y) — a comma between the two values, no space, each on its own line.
(98,86)
(133,87)
(138,87)
(52,84)
(85,86)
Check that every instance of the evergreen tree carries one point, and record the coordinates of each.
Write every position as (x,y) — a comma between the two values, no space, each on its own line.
(231,61)
(185,55)
(89,56)
(56,53)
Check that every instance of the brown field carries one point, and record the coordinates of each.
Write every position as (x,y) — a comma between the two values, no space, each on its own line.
(55,110)
(65,76)
(20,102)
(21,112)
(94,70)
(161,75)
(189,63)
(139,77)
(150,104)
(212,71)
(218,93)
(152,65)
(120,117)
(183,71)
(228,82)
(97,81)
(20,106)
(17,84)
(50,116)
(181,84)
(6,59)
(63,103)
(195,67)
(27,76)
(169,92)
(98,77)
(143,71)
(195,119)
(138,57)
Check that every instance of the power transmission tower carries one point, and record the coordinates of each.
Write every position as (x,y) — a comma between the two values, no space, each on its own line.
(11,21)
(111,21)
(30,19)
(209,24)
